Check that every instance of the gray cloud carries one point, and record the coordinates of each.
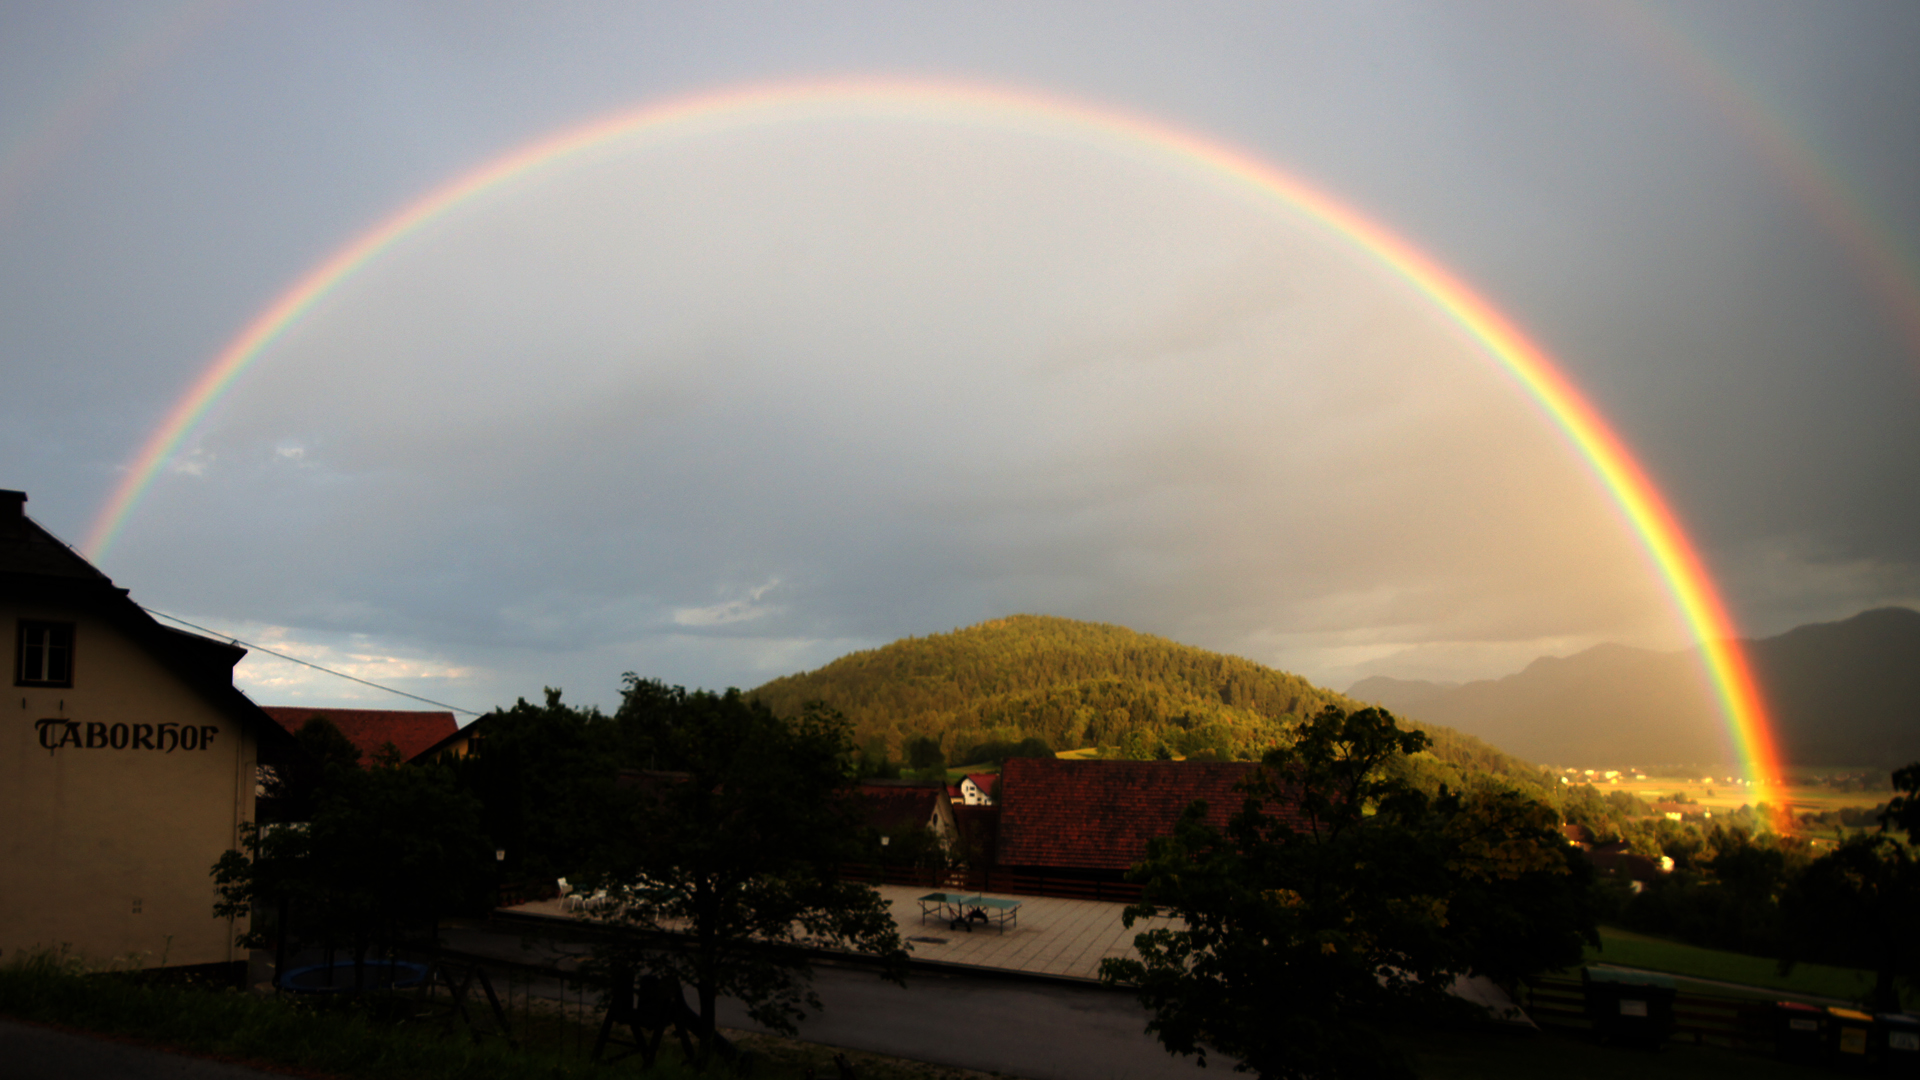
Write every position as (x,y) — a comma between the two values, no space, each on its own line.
(920,374)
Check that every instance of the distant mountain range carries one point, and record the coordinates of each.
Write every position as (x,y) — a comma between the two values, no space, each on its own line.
(1841,694)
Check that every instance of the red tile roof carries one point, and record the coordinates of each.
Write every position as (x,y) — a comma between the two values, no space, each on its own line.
(1099,815)
(411,731)
(1609,858)
(985,781)
(892,807)
(979,829)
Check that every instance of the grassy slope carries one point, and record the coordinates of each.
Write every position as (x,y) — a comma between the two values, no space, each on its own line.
(1629,949)
(1076,684)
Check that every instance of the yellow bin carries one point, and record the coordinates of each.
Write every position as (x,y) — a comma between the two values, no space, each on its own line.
(1850,1031)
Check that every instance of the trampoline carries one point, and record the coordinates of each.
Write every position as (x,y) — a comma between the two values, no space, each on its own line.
(338,977)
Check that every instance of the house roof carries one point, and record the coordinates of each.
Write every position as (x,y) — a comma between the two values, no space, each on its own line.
(36,566)
(979,829)
(27,549)
(984,781)
(893,807)
(1099,815)
(1612,857)
(411,731)
(473,730)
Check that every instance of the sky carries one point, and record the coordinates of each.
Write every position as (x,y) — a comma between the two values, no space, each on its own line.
(724,398)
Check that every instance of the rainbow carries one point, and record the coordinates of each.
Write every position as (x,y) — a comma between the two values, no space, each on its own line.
(1673,556)
(94,89)
(1866,235)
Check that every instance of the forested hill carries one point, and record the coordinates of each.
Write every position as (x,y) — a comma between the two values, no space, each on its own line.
(1076,684)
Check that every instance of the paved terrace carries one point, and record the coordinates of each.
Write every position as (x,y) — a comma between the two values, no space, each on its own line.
(1062,938)
(1052,937)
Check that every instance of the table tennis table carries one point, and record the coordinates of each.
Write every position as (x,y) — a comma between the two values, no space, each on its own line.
(964,909)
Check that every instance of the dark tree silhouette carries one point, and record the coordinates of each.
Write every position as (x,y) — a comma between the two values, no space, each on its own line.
(1858,906)
(1341,900)
(734,845)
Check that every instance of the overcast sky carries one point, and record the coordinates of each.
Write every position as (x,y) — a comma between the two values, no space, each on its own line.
(726,403)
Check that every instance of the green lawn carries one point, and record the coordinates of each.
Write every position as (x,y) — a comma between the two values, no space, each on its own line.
(1629,949)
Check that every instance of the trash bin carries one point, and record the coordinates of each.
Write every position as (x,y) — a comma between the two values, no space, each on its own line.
(1799,1031)
(1898,1036)
(1629,1007)
(1849,1037)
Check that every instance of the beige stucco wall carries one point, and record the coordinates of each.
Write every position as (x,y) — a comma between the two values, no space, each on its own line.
(109,850)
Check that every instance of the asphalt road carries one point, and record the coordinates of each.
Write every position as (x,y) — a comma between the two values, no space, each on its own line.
(1033,1030)
(1042,1031)
(29,1052)
(1037,1029)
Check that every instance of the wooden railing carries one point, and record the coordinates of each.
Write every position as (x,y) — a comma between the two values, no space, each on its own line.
(919,877)
(994,881)
(1702,1019)
(1066,888)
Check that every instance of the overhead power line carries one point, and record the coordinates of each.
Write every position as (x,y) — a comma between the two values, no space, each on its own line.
(305,663)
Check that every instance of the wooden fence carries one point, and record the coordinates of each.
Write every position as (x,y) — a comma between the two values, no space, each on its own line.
(1703,1019)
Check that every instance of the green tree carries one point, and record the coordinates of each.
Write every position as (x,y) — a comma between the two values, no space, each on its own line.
(1903,811)
(1341,900)
(388,852)
(293,784)
(735,846)
(544,775)
(924,755)
(871,761)
(1859,906)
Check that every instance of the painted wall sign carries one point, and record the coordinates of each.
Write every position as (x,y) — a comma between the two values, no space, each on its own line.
(56,733)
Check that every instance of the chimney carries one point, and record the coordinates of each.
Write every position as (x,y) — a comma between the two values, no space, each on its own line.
(12,504)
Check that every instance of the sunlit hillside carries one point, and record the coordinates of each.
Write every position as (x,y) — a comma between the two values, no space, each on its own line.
(1079,685)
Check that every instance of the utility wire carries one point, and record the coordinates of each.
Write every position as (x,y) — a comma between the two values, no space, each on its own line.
(306,663)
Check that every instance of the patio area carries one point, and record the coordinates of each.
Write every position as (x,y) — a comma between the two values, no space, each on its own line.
(1051,936)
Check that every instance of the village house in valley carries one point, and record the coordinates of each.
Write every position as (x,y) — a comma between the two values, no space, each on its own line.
(126,770)
(895,809)
(976,789)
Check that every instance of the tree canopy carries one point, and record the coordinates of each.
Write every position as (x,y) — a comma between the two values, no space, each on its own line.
(543,774)
(1859,905)
(1903,811)
(385,854)
(734,841)
(1341,899)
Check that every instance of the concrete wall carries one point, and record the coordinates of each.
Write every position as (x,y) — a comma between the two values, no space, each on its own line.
(107,848)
